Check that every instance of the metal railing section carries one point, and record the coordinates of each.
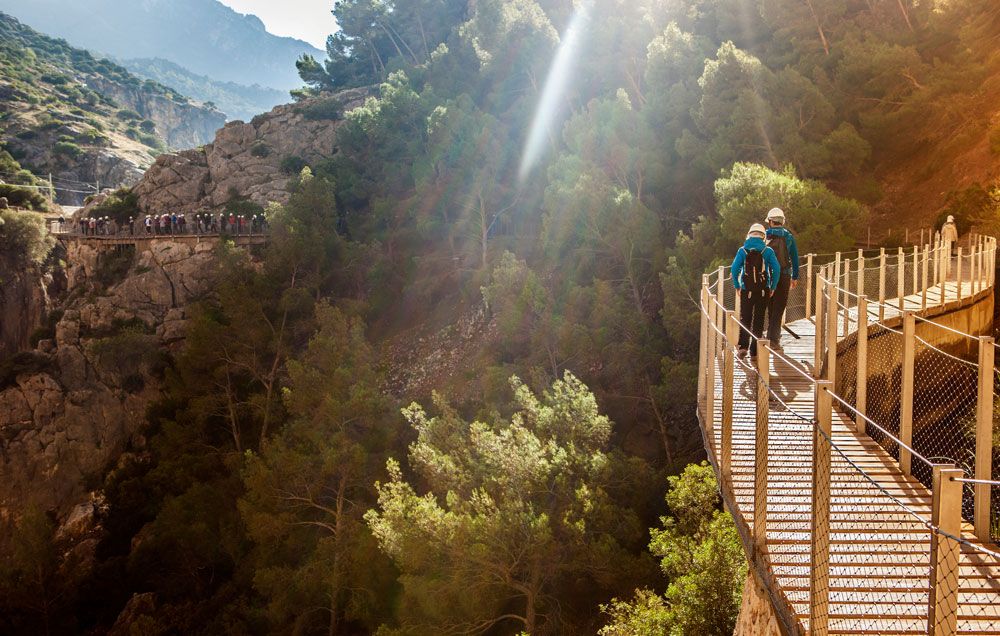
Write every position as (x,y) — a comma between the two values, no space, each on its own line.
(918,545)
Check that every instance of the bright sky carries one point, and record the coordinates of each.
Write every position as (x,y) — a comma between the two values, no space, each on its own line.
(308,20)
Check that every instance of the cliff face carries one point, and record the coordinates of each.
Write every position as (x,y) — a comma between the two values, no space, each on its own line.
(83,407)
(24,301)
(244,156)
(183,125)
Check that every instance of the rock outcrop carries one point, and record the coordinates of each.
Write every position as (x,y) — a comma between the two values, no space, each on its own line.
(69,421)
(24,302)
(245,158)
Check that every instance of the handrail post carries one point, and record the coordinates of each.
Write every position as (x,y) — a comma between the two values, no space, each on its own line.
(861,387)
(809,282)
(984,438)
(819,557)
(881,285)
(831,334)
(760,449)
(916,269)
(946,518)
(861,272)
(906,404)
(958,276)
(727,406)
(900,279)
(925,267)
(818,331)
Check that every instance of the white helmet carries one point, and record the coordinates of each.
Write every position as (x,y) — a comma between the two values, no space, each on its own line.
(951,219)
(776,215)
(757,230)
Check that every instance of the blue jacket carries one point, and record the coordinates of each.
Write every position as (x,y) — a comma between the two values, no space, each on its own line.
(793,251)
(770,261)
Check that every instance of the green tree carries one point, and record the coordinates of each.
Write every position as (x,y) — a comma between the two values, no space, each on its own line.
(515,510)
(702,557)
(308,488)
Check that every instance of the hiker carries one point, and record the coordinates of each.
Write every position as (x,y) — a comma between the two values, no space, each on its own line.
(781,241)
(149,225)
(131,226)
(755,276)
(949,238)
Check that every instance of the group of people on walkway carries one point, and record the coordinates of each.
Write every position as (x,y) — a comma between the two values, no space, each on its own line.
(765,270)
(175,224)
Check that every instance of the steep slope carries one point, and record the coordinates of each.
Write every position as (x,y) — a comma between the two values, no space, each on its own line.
(204,36)
(86,121)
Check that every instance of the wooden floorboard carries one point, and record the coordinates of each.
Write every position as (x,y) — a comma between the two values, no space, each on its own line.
(879,545)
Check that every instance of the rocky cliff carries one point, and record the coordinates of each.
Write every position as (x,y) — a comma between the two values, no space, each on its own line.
(24,301)
(82,406)
(245,157)
(181,124)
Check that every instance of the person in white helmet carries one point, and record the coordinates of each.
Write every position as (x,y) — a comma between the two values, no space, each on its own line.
(949,238)
(755,275)
(782,242)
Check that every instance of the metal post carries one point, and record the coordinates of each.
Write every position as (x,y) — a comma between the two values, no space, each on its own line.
(958,277)
(984,438)
(906,405)
(861,272)
(760,449)
(900,279)
(809,282)
(727,406)
(818,331)
(916,270)
(861,390)
(946,518)
(831,334)
(925,267)
(881,285)
(819,557)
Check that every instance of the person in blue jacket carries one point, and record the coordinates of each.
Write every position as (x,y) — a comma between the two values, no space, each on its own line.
(755,276)
(782,242)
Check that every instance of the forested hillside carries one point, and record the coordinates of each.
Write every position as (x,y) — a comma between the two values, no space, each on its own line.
(457,390)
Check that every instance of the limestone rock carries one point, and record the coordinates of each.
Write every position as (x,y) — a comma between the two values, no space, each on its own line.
(138,606)
(245,158)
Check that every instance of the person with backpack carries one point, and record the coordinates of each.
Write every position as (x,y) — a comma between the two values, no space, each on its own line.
(755,275)
(781,241)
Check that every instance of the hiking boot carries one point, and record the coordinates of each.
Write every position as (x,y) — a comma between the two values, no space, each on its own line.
(742,353)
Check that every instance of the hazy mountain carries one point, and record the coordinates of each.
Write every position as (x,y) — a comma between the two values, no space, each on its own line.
(237,101)
(204,36)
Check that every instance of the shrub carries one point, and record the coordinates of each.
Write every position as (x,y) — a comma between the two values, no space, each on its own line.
(147,125)
(127,114)
(24,362)
(120,205)
(47,330)
(293,164)
(328,108)
(22,198)
(260,150)
(68,149)
(27,134)
(112,269)
(152,141)
(132,133)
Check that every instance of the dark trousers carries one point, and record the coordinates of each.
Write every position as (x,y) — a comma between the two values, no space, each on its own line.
(752,307)
(776,308)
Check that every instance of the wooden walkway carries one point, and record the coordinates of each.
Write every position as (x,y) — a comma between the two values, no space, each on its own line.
(879,544)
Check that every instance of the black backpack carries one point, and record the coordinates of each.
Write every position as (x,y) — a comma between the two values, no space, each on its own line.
(754,271)
(779,243)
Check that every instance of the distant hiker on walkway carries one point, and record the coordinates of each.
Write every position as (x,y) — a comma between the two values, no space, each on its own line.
(949,239)
(131,226)
(149,225)
(755,276)
(781,241)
